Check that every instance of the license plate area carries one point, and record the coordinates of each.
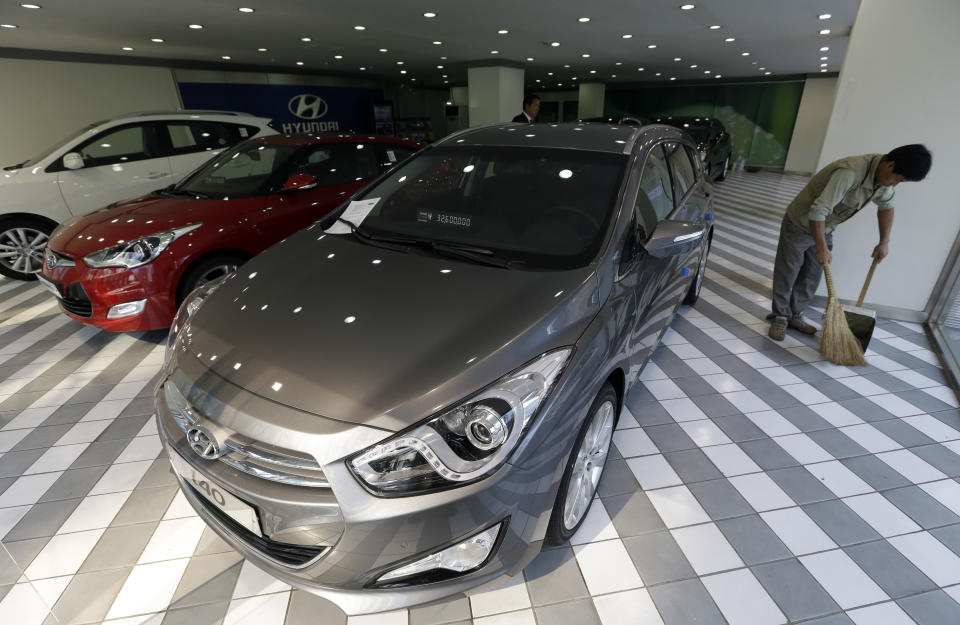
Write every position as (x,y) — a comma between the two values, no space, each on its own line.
(216,496)
(50,286)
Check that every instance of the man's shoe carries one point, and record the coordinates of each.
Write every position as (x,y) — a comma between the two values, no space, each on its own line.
(800,324)
(778,328)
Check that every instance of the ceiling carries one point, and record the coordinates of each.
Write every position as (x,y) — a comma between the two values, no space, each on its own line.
(781,36)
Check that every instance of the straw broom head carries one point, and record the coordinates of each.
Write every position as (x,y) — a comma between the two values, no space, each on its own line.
(837,342)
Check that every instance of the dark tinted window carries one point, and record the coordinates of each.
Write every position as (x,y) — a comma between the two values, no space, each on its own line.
(548,208)
(655,188)
(694,158)
(126,144)
(243,171)
(683,173)
(338,163)
(389,154)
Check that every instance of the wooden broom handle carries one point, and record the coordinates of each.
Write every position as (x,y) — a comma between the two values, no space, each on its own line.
(830,292)
(866,283)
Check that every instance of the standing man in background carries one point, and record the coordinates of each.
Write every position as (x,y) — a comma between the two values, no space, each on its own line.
(835,194)
(531,107)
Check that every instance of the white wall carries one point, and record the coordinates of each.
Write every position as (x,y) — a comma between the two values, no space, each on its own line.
(495,94)
(816,105)
(44,101)
(899,85)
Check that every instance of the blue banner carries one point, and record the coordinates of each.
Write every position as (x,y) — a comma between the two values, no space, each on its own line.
(293,108)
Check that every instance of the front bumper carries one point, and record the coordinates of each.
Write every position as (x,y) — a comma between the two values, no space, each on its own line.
(88,294)
(346,537)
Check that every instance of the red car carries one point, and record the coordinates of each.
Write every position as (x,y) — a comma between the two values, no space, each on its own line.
(127,267)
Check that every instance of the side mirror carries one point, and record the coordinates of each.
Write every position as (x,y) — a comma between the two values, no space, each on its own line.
(300,182)
(73,160)
(674,237)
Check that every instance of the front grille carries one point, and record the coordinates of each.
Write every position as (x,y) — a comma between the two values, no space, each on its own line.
(285,553)
(75,301)
(273,463)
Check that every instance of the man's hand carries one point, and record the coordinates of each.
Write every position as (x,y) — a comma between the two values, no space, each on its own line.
(824,257)
(880,251)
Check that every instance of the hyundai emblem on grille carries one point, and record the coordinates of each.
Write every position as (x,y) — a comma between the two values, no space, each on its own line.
(203,443)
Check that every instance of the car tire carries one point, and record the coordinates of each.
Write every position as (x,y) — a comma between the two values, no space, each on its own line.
(209,268)
(724,170)
(584,467)
(693,293)
(22,241)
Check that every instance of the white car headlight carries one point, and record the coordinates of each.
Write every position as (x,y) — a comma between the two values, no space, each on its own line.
(138,251)
(466,442)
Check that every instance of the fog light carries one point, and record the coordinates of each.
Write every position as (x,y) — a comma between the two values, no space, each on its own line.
(461,557)
(126,309)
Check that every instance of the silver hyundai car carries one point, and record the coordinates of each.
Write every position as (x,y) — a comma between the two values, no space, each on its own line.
(406,400)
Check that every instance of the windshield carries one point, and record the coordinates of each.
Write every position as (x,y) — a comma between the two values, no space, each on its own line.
(241,172)
(544,208)
(54,146)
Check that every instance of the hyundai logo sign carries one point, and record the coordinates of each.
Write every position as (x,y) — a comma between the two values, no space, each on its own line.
(203,443)
(307,106)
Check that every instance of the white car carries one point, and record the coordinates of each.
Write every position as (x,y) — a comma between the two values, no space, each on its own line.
(105,162)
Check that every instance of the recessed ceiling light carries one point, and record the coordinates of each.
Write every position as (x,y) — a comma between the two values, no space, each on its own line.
(383,49)
(538,80)
(677,58)
(706,71)
(744,54)
(613,75)
(196,26)
(729,39)
(823,70)
(626,36)
(673,78)
(245,10)
(687,7)
(30,6)
(399,62)
(439,66)
(529,59)
(338,56)
(306,39)
(824,58)
(429,14)
(446,82)
(363,69)
(593,71)
(583,19)
(225,57)
(299,62)
(694,66)
(753,63)
(715,27)
(443,58)
(824,48)
(437,43)
(618,63)
(444,76)
(823,65)
(640,69)
(554,44)
(761,68)
(261,49)
(403,71)
(825,16)
(567,66)
(9,26)
(502,31)
(157,40)
(585,55)
(767,73)
(657,74)
(652,46)
(127,49)
(494,51)
(359,27)
(549,73)
(825,31)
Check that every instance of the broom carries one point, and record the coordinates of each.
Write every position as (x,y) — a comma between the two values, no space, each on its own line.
(837,342)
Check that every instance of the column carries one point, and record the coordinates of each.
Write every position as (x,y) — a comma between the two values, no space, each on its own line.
(495,91)
(591,99)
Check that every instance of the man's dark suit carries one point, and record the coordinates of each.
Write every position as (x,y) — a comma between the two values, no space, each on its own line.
(521,119)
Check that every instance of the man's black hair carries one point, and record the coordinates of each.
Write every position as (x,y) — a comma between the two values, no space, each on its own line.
(529,98)
(910,161)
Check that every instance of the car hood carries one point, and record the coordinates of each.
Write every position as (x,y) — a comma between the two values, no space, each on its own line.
(318,325)
(128,220)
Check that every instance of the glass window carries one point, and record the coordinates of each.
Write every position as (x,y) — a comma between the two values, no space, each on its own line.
(683,174)
(694,159)
(187,137)
(655,185)
(391,154)
(243,171)
(129,143)
(338,163)
(547,208)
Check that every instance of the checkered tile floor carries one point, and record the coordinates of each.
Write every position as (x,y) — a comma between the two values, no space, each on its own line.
(752,483)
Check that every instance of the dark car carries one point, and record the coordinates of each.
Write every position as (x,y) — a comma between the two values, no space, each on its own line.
(127,267)
(713,142)
(408,399)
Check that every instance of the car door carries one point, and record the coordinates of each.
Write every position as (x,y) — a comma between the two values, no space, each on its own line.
(190,144)
(120,163)
(340,169)
(690,206)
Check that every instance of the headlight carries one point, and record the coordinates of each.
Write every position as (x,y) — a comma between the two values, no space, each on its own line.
(466,442)
(189,307)
(137,252)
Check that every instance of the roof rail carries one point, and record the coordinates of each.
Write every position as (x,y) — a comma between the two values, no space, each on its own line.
(182,112)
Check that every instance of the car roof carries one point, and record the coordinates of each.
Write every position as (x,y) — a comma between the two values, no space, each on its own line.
(596,137)
(308,138)
(186,114)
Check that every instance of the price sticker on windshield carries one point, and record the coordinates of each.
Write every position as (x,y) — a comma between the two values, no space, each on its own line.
(355,214)
(443,219)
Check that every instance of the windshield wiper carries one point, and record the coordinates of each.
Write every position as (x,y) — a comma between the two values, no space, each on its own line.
(466,252)
(391,243)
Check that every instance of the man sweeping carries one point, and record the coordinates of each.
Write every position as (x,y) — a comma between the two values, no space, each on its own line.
(835,194)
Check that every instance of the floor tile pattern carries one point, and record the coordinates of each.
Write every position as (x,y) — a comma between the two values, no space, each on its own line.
(752,483)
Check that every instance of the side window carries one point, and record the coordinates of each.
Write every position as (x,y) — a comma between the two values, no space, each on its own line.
(683,173)
(338,163)
(189,137)
(123,145)
(249,164)
(695,159)
(389,154)
(655,199)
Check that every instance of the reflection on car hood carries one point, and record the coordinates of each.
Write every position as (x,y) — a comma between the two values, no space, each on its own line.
(317,324)
(125,221)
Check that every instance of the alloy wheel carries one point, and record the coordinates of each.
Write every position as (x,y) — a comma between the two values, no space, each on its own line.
(591,458)
(217,271)
(21,249)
